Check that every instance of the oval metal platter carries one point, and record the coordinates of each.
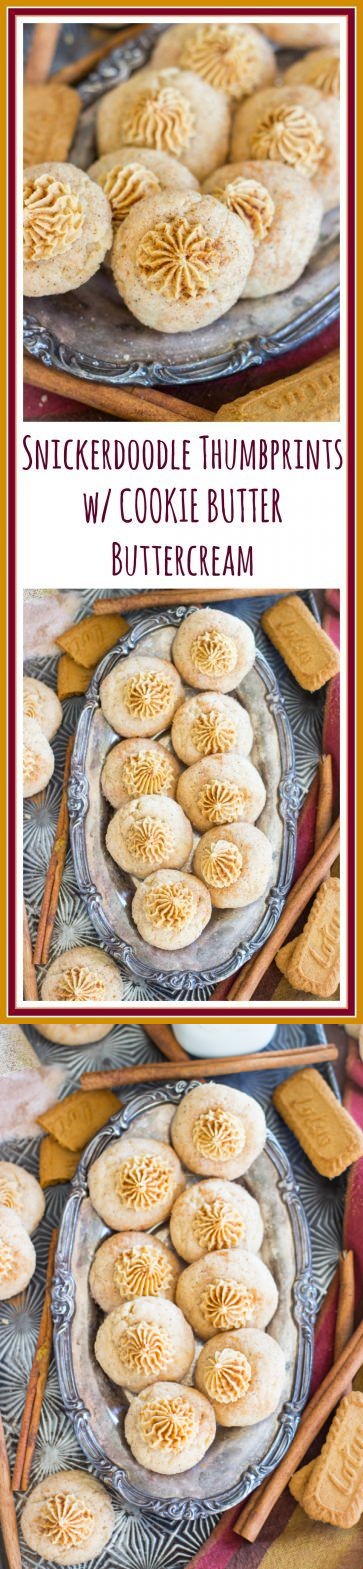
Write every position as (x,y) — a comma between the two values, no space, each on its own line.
(238,1458)
(90,333)
(232,936)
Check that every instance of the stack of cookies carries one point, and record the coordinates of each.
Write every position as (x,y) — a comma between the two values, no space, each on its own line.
(211,181)
(206,1280)
(158,802)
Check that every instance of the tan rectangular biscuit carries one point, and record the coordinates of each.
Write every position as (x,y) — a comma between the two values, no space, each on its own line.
(72,679)
(88,640)
(315,963)
(51,114)
(307,650)
(56,1164)
(323,1127)
(284,956)
(334,1491)
(299,1480)
(74,1121)
(309,394)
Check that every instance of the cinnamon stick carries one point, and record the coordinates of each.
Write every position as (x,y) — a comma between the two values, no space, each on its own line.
(324,809)
(163,1037)
(127,403)
(80,68)
(208,1067)
(249,977)
(345,1310)
(55,869)
(36,1385)
(155,599)
(42,50)
(252,1518)
(8,1520)
(30,987)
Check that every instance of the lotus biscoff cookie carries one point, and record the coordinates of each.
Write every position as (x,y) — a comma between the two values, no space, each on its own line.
(50,114)
(330,1138)
(314,965)
(334,1490)
(307,650)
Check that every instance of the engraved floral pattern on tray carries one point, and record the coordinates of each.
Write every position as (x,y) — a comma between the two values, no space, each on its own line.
(90,333)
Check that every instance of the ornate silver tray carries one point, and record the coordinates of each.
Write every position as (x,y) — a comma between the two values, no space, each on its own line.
(244,1456)
(90,333)
(232,937)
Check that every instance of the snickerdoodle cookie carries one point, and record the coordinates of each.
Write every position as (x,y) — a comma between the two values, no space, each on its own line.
(213,1215)
(38,758)
(149,833)
(179,263)
(170,111)
(134,1183)
(320,69)
(21,1193)
(213,649)
(232,1289)
(235,863)
(232,56)
(125,1267)
(42,704)
(82,975)
(144,1340)
(139,767)
(68,1518)
(210,723)
(73,1032)
(169,1427)
(171,909)
(17,1254)
(294,125)
(66,225)
(221,790)
(303,35)
(128,175)
(218,1131)
(284,212)
(139,697)
(242,1374)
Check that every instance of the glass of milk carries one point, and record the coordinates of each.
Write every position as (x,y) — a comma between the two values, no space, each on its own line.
(222,1040)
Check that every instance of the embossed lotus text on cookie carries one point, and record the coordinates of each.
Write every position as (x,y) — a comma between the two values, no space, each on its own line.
(334,1489)
(326,1132)
(305,647)
(315,961)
